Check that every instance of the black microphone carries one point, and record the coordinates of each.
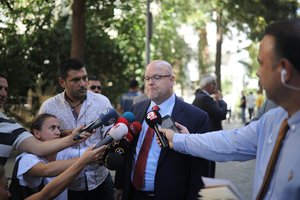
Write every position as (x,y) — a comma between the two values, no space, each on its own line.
(106,118)
(114,161)
(153,119)
(115,133)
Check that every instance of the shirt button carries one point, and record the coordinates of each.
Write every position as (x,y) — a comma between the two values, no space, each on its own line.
(293,127)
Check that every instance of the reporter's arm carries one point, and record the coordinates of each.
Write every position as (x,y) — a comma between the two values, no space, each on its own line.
(42,148)
(61,182)
(50,169)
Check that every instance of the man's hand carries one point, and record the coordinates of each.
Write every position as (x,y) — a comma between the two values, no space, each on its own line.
(181,128)
(118,194)
(169,134)
(218,95)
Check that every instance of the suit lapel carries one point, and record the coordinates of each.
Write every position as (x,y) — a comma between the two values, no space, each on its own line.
(177,113)
(140,112)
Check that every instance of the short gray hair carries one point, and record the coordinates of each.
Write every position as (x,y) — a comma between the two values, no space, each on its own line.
(207,79)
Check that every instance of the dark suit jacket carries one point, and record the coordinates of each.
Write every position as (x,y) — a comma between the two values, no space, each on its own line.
(216,110)
(178,176)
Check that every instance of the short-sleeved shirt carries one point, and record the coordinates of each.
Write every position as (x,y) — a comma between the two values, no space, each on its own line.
(11,136)
(94,104)
(26,163)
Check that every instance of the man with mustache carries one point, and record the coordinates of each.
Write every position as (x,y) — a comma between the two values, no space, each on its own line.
(76,105)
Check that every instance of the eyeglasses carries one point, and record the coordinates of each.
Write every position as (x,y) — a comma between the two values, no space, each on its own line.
(93,87)
(156,78)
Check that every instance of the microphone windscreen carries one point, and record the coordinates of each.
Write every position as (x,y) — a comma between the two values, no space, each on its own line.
(153,118)
(114,161)
(109,116)
(128,137)
(129,116)
(118,131)
(135,128)
(106,118)
(121,146)
(123,120)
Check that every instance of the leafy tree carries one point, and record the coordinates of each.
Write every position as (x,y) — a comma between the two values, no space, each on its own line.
(31,57)
(36,35)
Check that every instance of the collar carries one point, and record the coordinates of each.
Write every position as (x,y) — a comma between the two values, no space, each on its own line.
(68,99)
(205,92)
(166,107)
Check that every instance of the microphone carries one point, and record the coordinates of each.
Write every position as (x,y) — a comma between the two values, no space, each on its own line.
(128,136)
(123,120)
(135,128)
(153,119)
(121,147)
(126,118)
(106,118)
(129,116)
(115,133)
(114,161)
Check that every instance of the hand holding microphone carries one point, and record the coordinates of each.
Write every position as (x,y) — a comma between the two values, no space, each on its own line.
(78,131)
(154,119)
(106,118)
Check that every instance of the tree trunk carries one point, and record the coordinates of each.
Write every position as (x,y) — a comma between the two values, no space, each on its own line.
(78,30)
(219,49)
(203,51)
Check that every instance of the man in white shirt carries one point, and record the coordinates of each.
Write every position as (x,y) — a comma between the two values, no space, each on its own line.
(77,106)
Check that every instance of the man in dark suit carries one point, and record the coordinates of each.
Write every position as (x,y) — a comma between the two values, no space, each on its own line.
(168,174)
(216,109)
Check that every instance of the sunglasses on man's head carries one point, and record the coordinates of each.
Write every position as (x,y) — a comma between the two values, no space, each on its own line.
(93,87)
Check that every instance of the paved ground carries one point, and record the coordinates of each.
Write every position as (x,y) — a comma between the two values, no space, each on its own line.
(240,173)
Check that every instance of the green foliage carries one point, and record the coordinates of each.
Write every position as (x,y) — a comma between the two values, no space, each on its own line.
(30,56)
(35,35)
(167,43)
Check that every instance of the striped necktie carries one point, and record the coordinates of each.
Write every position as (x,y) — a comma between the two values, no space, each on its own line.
(138,180)
(273,159)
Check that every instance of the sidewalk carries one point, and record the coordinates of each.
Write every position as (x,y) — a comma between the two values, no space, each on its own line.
(239,173)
